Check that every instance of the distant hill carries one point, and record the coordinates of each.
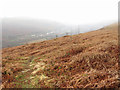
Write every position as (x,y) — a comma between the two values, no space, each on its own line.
(86,60)
(25,26)
(19,31)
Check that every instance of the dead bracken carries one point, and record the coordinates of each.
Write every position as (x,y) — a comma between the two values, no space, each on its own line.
(88,60)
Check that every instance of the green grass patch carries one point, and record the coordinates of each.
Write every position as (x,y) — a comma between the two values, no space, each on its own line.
(19,77)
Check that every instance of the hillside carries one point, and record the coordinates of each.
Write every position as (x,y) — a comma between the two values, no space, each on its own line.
(87,60)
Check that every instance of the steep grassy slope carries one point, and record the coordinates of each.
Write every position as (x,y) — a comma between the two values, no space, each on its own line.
(86,60)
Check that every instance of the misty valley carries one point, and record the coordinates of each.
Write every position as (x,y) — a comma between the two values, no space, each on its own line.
(21,31)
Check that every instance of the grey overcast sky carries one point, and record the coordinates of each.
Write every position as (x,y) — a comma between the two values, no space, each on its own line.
(64,11)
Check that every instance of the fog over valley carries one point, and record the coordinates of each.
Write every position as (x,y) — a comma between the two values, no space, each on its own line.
(19,31)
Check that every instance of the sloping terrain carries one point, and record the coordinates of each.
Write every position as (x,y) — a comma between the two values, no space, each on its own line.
(87,60)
